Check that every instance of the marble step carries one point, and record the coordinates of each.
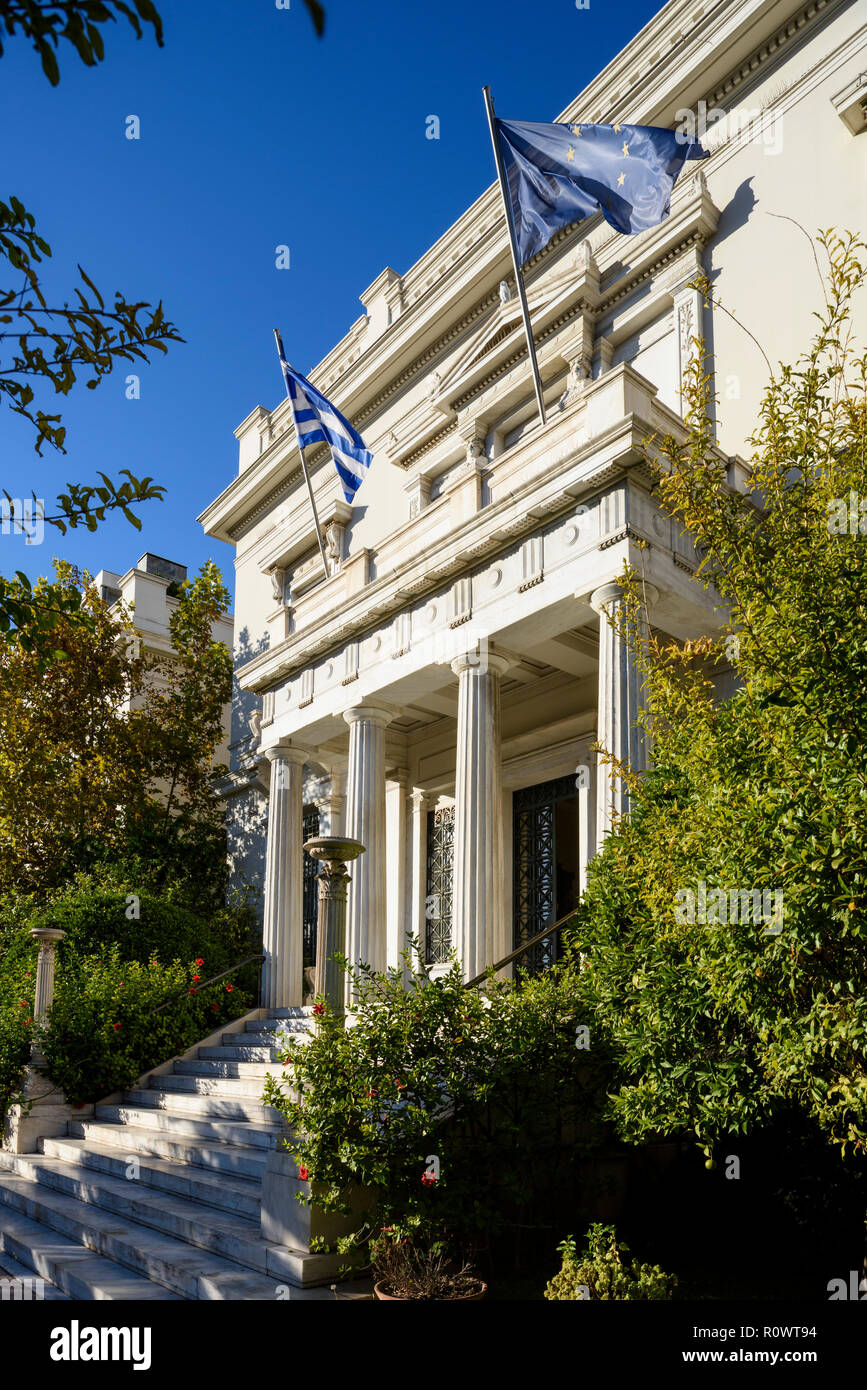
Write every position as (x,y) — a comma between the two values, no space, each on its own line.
(246,1087)
(193,1271)
(180,1178)
(262,1136)
(161,1095)
(221,1066)
(10,1268)
(264,1053)
(238,1159)
(268,1025)
(74,1271)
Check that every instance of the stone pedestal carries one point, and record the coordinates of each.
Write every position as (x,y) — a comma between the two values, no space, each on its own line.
(478,918)
(45,1111)
(620,703)
(332,855)
(283,926)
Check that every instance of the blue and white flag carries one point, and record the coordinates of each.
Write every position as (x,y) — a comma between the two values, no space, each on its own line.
(317,421)
(558,174)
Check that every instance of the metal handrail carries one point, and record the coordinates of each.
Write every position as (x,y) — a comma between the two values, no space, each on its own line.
(213,980)
(519,950)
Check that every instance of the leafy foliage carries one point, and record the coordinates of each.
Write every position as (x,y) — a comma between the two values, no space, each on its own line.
(450,1104)
(77,21)
(602,1273)
(106,755)
(719,1025)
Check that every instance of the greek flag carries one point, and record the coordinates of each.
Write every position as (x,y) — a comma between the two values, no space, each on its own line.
(317,421)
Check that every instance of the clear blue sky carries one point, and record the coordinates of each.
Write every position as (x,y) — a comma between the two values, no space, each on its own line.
(254,134)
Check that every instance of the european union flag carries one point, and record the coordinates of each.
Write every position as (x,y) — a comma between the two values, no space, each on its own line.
(558,174)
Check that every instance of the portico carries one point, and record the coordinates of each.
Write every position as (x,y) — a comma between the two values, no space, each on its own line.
(440,692)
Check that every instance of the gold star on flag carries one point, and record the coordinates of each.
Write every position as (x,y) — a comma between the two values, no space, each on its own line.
(576,130)
(570,153)
(621,180)
(617,130)
(625,148)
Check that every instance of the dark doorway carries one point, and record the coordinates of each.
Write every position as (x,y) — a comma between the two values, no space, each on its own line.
(310,830)
(546,874)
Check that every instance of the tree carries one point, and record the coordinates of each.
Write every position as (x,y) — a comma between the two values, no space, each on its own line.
(106,755)
(725,1007)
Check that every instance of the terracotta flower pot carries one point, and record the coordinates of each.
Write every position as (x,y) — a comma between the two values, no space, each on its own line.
(384,1297)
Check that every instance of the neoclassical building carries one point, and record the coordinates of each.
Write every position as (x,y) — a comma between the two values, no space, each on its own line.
(439,693)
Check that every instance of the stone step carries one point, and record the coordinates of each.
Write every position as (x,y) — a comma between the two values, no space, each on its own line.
(268,1025)
(31,1291)
(294,1011)
(193,1271)
(239,1132)
(180,1178)
(239,1054)
(239,1160)
(161,1095)
(222,1067)
(248,1086)
(77,1272)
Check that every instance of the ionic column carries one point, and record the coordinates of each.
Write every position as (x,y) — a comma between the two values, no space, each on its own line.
(395,827)
(365,821)
(419,804)
(332,853)
(47,939)
(620,702)
(477,900)
(283,930)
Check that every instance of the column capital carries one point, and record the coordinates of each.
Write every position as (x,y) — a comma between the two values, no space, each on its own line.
(284,751)
(419,799)
(612,591)
(484,661)
(47,936)
(378,714)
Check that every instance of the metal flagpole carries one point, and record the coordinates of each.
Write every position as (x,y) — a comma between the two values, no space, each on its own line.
(513,242)
(279,343)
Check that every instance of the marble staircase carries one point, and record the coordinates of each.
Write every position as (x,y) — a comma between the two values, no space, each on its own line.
(157,1196)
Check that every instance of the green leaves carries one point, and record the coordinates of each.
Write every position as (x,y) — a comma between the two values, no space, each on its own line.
(76,21)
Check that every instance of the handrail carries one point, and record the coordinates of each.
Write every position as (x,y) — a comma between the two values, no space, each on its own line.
(519,950)
(213,980)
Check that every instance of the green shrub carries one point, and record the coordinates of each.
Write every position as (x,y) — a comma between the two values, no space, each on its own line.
(602,1272)
(105,1028)
(139,925)
(459,1110)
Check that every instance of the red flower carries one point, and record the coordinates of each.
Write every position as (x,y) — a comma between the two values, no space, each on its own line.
(115,1026)
(229,988)
(200,960)
(215,1007)
(191,991)
(319,1008)
(197,977)
(28,1020)
(22,1003)
(27,974)
(401,1085)
(302,1173)
(428,1179)
(371,1094)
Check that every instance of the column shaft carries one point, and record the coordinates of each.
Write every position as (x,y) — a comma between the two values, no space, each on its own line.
(282,974)
(365,821)
(477,900)
(620,703)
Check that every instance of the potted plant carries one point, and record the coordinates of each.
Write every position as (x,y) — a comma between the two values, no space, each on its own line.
(406,1272)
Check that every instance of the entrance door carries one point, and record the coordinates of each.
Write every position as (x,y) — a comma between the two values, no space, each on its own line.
(546,874)
(310,880)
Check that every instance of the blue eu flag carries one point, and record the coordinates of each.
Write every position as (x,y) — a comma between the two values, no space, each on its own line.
(558,174)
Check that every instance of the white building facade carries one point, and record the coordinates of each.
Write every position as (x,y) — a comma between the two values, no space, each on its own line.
(439,694)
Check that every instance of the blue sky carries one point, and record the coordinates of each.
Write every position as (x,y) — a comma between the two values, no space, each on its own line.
(254,134)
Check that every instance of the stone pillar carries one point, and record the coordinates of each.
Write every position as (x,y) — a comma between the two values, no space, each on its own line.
(395,835)
(283,933)
(45,1112)
(477,900)
(365,821)
(331,806)
(419,806)
(586,783)
(332,854)
(620,701)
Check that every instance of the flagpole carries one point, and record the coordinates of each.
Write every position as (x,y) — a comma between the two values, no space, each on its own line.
(304,467)
(513,243)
